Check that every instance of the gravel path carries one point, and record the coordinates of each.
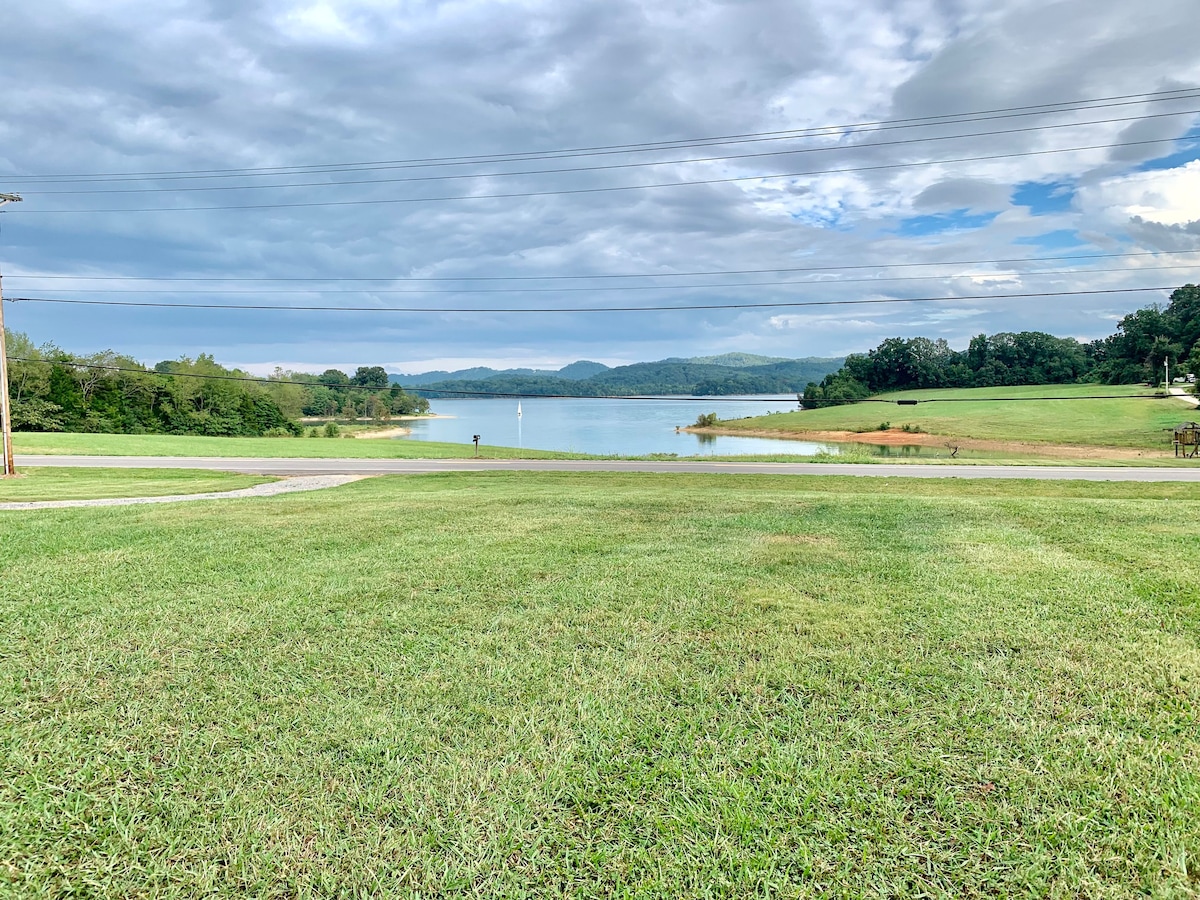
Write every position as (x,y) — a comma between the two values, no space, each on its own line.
(283,486)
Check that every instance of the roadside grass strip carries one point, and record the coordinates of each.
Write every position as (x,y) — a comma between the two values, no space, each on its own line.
(542,685)
(36,484)
(63,443)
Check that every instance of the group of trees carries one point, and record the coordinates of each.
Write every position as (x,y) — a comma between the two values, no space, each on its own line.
(1144,340)
(668,376)
(368,393)
(51,390)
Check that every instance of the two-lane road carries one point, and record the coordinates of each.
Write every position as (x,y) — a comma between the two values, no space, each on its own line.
(417,466)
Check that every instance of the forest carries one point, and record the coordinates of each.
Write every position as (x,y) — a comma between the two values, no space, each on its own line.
(705,376)
(52,390)
(1144,340)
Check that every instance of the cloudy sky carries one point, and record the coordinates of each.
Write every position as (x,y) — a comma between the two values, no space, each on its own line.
(465,158)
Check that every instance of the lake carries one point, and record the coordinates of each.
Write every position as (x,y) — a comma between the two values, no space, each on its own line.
(605,426)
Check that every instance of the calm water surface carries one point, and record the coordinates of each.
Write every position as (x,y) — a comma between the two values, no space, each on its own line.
(622,427)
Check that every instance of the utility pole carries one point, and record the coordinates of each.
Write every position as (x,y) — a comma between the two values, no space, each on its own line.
(6,415)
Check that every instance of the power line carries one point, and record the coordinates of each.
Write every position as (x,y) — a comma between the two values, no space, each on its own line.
(598,190)
(527,396)
(611,166)
(622,288)
(705,274)
(264,382)
(651,146)
(412,390)
(577,309)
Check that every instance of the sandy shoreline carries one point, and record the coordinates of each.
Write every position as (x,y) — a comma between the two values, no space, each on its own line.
(363,420)
(895,437)
(398,431)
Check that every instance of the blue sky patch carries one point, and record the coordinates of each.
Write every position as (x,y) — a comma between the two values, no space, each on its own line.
(1044,197)
(957,220)
(1189,152)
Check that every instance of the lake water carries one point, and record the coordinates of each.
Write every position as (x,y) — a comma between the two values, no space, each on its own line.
(602,426)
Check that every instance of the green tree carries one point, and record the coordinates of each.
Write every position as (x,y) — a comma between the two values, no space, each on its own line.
(370,377)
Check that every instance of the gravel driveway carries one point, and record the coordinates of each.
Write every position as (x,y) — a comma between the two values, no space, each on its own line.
(271,489)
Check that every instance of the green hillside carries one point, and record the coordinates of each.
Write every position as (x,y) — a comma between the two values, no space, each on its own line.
(737,360)
(669,376)
(1023,413)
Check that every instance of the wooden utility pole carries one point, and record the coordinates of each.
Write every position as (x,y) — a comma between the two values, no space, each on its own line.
(5,415)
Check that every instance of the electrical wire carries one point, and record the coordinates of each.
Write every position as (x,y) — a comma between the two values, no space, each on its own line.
(652,146)
(623,288)
(592,190)
(579,309)
(418,389)
(604,168)
(265,382)
(701,274)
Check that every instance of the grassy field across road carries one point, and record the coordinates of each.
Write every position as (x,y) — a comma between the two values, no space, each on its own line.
(91,484)
(541,685)
(60,443)
(980,413)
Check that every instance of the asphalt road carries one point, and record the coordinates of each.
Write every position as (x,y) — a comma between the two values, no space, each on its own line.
(417,466)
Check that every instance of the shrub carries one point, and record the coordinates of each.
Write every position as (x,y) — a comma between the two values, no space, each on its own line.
(706,420)
(884,426)
(332,430)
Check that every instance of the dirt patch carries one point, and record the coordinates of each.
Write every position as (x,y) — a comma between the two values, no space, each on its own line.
(896,437)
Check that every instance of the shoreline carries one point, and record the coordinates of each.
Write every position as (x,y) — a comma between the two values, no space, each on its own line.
(364,420)
(896,437)
(396,431)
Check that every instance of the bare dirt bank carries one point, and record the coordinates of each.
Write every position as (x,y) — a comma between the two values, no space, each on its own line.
(895,437)
(398,431)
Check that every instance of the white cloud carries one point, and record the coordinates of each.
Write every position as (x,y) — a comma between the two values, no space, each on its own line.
(1164,196)
(141,86)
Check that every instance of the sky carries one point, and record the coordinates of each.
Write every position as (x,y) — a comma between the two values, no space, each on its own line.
(584,160)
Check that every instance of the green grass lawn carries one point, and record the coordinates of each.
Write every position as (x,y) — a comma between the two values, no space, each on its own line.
(60,443)
(1094,423)
(90,484)
(607,685)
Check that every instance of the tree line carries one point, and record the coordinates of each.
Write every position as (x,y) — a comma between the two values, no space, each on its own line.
(51,390)
(1144,340)
(668,376)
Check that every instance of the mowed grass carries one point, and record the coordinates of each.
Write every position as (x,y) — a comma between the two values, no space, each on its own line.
(62,443)
(976,413)
(539,685)
(89,484)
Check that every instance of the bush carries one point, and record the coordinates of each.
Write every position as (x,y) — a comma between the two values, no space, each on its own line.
(332,430)
(706,420)
(884,426)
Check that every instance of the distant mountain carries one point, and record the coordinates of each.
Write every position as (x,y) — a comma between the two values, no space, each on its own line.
(475,374)
(745,373)
(579,369)
(737,360)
